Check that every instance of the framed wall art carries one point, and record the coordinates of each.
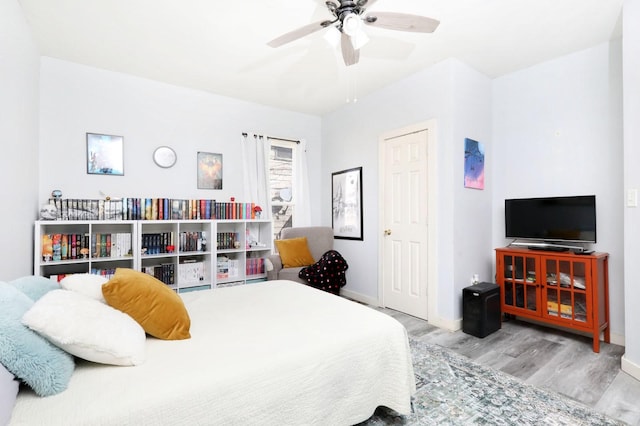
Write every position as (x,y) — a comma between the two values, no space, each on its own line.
(105,154)
(209,170)
(346,191)
(473,164)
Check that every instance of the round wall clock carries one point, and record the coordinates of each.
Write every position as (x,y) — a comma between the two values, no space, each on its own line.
(165,157)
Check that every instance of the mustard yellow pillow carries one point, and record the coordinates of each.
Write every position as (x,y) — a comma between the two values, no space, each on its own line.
(294,252)
(157,308)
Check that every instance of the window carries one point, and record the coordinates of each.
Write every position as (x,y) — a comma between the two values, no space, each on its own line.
(281,182)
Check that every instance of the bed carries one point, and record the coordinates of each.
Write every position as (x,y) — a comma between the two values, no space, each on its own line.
(270,353)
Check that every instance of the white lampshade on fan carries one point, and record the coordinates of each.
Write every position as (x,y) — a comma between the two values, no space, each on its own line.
(352,26)
(332,36)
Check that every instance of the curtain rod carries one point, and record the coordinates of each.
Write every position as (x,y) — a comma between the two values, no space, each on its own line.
(280,139)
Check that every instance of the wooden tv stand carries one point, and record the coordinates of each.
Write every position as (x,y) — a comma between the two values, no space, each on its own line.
(561,288)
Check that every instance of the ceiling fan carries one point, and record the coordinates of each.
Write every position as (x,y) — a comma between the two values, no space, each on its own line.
(349,17)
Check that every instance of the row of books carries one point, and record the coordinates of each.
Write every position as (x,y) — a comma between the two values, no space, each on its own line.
(227,240)
(150,209)
(164,242)
(255,266)
(164,272)
(58,246)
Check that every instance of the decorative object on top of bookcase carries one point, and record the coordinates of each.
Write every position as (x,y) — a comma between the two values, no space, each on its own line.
(48,212)
(209,170)
(165,157)
(257,210)
(346,190)
(178,252)
(105,154)
(150,209)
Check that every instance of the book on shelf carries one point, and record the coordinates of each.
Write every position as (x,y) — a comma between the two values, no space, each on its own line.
(47,247)
(56,241)
(234,268)
(222,267)
(64,247)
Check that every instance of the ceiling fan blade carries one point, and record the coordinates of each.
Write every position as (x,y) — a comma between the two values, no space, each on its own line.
(402,22)
(299,33)
(350,55)
(366,3)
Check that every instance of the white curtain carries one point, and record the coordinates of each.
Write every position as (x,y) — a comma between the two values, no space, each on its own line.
(255,156)
(302,213)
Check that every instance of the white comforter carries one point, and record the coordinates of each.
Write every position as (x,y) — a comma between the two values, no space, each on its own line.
(274,353)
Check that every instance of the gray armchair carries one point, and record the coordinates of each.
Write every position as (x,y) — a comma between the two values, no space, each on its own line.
(319,239)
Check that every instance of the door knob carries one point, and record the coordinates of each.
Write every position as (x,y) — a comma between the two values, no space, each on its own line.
(387,232)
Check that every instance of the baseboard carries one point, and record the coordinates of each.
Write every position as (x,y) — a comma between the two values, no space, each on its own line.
(631,368)
(449,325)
(358,297)
(616,339)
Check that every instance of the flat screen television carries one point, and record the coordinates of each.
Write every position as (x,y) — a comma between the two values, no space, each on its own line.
(552,219)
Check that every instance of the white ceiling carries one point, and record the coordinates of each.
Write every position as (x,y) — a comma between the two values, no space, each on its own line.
(220,46)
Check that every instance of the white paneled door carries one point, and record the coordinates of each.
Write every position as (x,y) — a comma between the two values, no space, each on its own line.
(405,217)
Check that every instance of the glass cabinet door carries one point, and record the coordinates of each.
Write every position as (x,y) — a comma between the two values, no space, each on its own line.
(565,294)
(520,282)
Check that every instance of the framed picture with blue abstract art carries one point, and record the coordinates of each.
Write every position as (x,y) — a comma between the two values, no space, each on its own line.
(473,164)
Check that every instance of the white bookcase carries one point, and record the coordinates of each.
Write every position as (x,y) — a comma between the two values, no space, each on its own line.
(185,254)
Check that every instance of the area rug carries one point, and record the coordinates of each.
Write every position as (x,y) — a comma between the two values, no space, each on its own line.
(453,390)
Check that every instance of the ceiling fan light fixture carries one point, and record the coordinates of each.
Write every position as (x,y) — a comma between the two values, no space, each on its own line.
(332,36)
(359,39)
(351,24)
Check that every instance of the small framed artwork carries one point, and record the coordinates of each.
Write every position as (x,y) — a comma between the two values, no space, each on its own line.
(209,170)
(346,192)
(105,154)
(473,164)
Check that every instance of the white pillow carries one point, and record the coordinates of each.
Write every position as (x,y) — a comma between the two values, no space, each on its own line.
(86,328)
(87,284)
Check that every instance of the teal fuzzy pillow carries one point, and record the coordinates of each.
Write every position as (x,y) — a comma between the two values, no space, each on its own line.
(31,358)
(34,286)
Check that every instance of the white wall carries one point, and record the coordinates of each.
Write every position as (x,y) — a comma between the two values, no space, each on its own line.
(19,130)
(76,99)
(631,65)
(557,130)
(472,250)
(350,138)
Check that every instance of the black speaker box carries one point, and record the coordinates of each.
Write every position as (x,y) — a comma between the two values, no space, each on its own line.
(481,309)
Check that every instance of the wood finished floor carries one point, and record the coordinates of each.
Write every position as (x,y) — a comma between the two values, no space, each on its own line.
(556,360)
